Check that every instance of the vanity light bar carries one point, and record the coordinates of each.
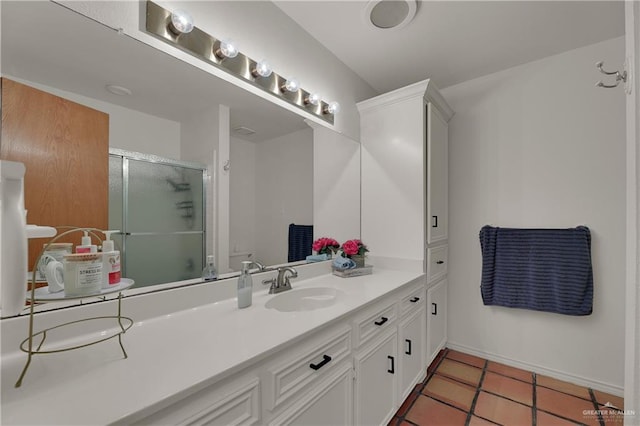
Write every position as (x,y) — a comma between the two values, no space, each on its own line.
(208,48)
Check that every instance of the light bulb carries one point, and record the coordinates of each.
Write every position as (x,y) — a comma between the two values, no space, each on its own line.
(313,99)
(181,22)
(332,108)
(262,69)
(227,49)
(291,85)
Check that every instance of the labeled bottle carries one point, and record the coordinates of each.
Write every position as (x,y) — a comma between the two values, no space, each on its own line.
(85,245)
(245,286)
(111,275)
(209,272)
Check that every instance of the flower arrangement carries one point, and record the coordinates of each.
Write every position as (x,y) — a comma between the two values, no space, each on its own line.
(353,248)
(325,246)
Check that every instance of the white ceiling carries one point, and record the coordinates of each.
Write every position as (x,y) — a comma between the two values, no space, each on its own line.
(449,41)
(454,41)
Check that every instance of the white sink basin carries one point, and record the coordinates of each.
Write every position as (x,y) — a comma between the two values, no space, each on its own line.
(304,299)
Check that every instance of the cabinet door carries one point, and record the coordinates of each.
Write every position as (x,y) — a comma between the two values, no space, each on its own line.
(376,368)
(412,351)
(436,319)
(328,403)
(437,175)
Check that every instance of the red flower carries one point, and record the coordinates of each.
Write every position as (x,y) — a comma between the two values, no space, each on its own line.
(353,247)
(325,245)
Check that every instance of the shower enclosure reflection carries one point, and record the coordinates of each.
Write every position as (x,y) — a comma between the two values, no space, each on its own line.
(158,205)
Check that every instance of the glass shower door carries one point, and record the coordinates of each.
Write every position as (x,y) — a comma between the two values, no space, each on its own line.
(162,221)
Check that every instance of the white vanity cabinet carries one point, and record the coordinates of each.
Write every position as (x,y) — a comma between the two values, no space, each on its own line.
(230,402)
(436,319)
(392,359)
(404,136)
(412,349)
(304,380)
(357,370)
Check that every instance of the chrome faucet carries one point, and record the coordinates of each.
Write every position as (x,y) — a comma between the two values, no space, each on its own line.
(281,283)
(261,267)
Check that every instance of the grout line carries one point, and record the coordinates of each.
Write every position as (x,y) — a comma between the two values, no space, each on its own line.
(475,397)
(574,421)
(596,406)
(418,392)
(534,400)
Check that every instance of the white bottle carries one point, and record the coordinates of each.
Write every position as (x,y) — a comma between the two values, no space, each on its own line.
(85,245)
(245,286)
(13,244)
(209,273)
(110,262)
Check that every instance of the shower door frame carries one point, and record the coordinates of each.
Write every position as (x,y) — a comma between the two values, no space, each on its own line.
(151,158)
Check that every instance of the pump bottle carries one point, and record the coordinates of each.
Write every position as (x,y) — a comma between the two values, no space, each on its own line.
(85,245)
(245,286)
(110,262)
(209,272)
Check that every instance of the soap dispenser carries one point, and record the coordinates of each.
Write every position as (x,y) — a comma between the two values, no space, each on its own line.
(85,245)
(245,286)
(110,262)
(209,272)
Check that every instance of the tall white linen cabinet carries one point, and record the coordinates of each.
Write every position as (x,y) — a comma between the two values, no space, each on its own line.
(404,137)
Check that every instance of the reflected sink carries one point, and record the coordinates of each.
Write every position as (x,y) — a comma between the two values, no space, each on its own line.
(304,299)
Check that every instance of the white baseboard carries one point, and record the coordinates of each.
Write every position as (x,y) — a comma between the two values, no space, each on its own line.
(578,380)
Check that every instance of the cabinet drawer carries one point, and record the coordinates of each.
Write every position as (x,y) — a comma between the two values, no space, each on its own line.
(374,321)
(236,402)
(288,376)
(437,261)
(413,301)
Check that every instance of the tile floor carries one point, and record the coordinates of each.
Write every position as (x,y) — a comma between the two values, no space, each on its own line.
(462,389)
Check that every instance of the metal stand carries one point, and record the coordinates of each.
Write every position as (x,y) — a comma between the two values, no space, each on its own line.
(30,340)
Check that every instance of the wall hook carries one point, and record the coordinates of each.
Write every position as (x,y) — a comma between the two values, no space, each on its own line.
(619,76)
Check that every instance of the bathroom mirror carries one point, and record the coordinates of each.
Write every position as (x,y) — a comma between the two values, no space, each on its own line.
(175,111)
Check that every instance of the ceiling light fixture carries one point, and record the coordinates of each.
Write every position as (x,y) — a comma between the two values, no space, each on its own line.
(312,99)
(227,49)
(168,27)
(332,108)
(118,90)
(181,22)
(390,14)
(262,69)
(291,85)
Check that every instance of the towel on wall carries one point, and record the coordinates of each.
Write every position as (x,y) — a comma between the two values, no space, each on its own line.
(300,242)
(539,269)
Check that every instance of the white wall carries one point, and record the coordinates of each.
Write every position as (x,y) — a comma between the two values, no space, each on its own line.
(284,178)
(242,201)
(539,146)
(201,140)
(336,185)
(128,129)
(290,50)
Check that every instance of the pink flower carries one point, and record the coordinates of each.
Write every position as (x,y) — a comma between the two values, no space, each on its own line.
(350,247)
(325,245)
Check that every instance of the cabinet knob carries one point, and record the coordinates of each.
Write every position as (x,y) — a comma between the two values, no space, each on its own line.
(434,221)
(408,351)
(414,300)
(439,262)
(434,309)
(392,370)
(318,366)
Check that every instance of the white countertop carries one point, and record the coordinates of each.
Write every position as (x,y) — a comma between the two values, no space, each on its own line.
(171,354)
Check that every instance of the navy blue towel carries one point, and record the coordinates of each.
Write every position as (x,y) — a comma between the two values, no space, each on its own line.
(540,269)
(300,241)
